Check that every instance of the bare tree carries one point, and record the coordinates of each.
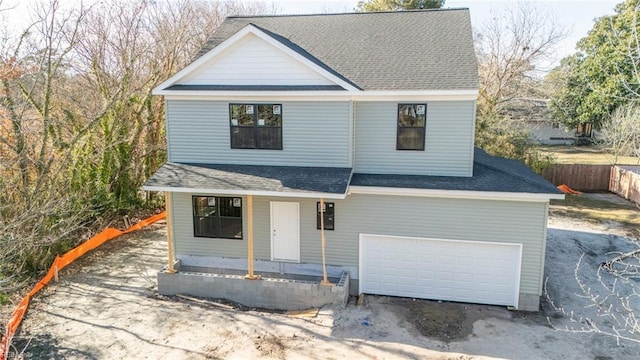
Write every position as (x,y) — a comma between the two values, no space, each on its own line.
(620,135)
(509,50)
(79,128)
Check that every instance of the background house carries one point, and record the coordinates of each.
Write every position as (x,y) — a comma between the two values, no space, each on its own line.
(534,116)
(344,143)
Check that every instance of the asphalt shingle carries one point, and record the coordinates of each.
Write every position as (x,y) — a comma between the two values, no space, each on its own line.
(403,50)
(490,173)
(218,177)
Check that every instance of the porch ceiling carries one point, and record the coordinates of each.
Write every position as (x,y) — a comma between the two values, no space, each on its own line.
(289,181)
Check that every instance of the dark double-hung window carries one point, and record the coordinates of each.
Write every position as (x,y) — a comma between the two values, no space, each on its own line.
(256,126)
(217,217)
(412,119)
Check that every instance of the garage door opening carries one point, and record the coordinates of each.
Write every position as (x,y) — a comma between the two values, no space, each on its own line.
(438,269)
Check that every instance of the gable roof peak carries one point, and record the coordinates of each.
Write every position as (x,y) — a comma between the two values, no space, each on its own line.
(417,50)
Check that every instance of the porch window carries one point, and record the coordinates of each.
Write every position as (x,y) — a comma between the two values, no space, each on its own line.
(256,126)
(329,215)
(217,217)
(411,126)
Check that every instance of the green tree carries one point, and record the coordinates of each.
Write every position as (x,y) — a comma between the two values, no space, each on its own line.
(567,89)
(395,5)
(604,73)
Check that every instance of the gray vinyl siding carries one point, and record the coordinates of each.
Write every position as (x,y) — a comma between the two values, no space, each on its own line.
(456,219)
(313,134)
(187,244)
(448,140)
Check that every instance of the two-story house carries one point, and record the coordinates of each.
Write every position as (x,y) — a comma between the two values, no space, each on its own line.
(341,143)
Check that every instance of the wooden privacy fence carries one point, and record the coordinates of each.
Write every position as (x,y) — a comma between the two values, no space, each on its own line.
(581,177)
(625,181)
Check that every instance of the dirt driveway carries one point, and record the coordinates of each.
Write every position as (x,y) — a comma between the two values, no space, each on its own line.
(106,307)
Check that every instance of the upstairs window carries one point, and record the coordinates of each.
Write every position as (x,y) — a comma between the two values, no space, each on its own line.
(217,217)
(256,126)
(411,126)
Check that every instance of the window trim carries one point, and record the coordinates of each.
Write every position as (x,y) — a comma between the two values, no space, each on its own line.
(333,224)
(255,126)
(398,127)
(193,217)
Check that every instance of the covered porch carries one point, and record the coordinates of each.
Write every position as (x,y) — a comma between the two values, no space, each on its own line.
(281,282)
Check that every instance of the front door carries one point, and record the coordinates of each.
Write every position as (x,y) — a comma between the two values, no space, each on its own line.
(285,231)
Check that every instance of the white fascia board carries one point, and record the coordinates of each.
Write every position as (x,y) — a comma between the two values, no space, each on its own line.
(416,95)
(254,95)
(206,191)
(249,29)
(399,96)
(454,194)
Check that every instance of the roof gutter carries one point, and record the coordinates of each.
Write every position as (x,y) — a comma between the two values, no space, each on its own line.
(455,194)
(440,95)
(243,192)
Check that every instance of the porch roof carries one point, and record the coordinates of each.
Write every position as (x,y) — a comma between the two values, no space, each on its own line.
(490,174)
(286,181)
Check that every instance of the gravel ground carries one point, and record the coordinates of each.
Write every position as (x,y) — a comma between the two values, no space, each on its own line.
(106,307)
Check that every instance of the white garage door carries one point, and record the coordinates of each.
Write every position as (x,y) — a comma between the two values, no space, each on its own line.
(465,271)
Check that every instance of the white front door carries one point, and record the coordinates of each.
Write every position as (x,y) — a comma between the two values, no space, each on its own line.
(285,231)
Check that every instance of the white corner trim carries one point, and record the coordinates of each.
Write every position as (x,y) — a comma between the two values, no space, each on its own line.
(205,191)
(249,29)
(454,194)
(544,248)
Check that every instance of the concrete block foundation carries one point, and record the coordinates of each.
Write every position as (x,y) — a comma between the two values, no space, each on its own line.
(272,291)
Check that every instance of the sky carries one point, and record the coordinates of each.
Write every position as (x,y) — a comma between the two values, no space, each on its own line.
(576,16)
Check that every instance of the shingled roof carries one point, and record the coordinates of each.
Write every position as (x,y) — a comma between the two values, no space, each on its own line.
(403,50)
(252,179)
(490,173)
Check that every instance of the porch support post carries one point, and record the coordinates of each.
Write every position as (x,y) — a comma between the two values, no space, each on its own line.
(250,257)
(169,210)
(324,281)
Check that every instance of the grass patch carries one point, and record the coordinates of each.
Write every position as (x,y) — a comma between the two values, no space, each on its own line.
(585,155)
(4,299)
(599,211)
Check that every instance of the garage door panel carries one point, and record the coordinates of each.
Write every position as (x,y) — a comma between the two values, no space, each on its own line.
(440,269)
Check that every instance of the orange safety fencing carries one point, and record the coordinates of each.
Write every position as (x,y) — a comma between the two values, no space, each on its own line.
(567,190)
(60,263)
